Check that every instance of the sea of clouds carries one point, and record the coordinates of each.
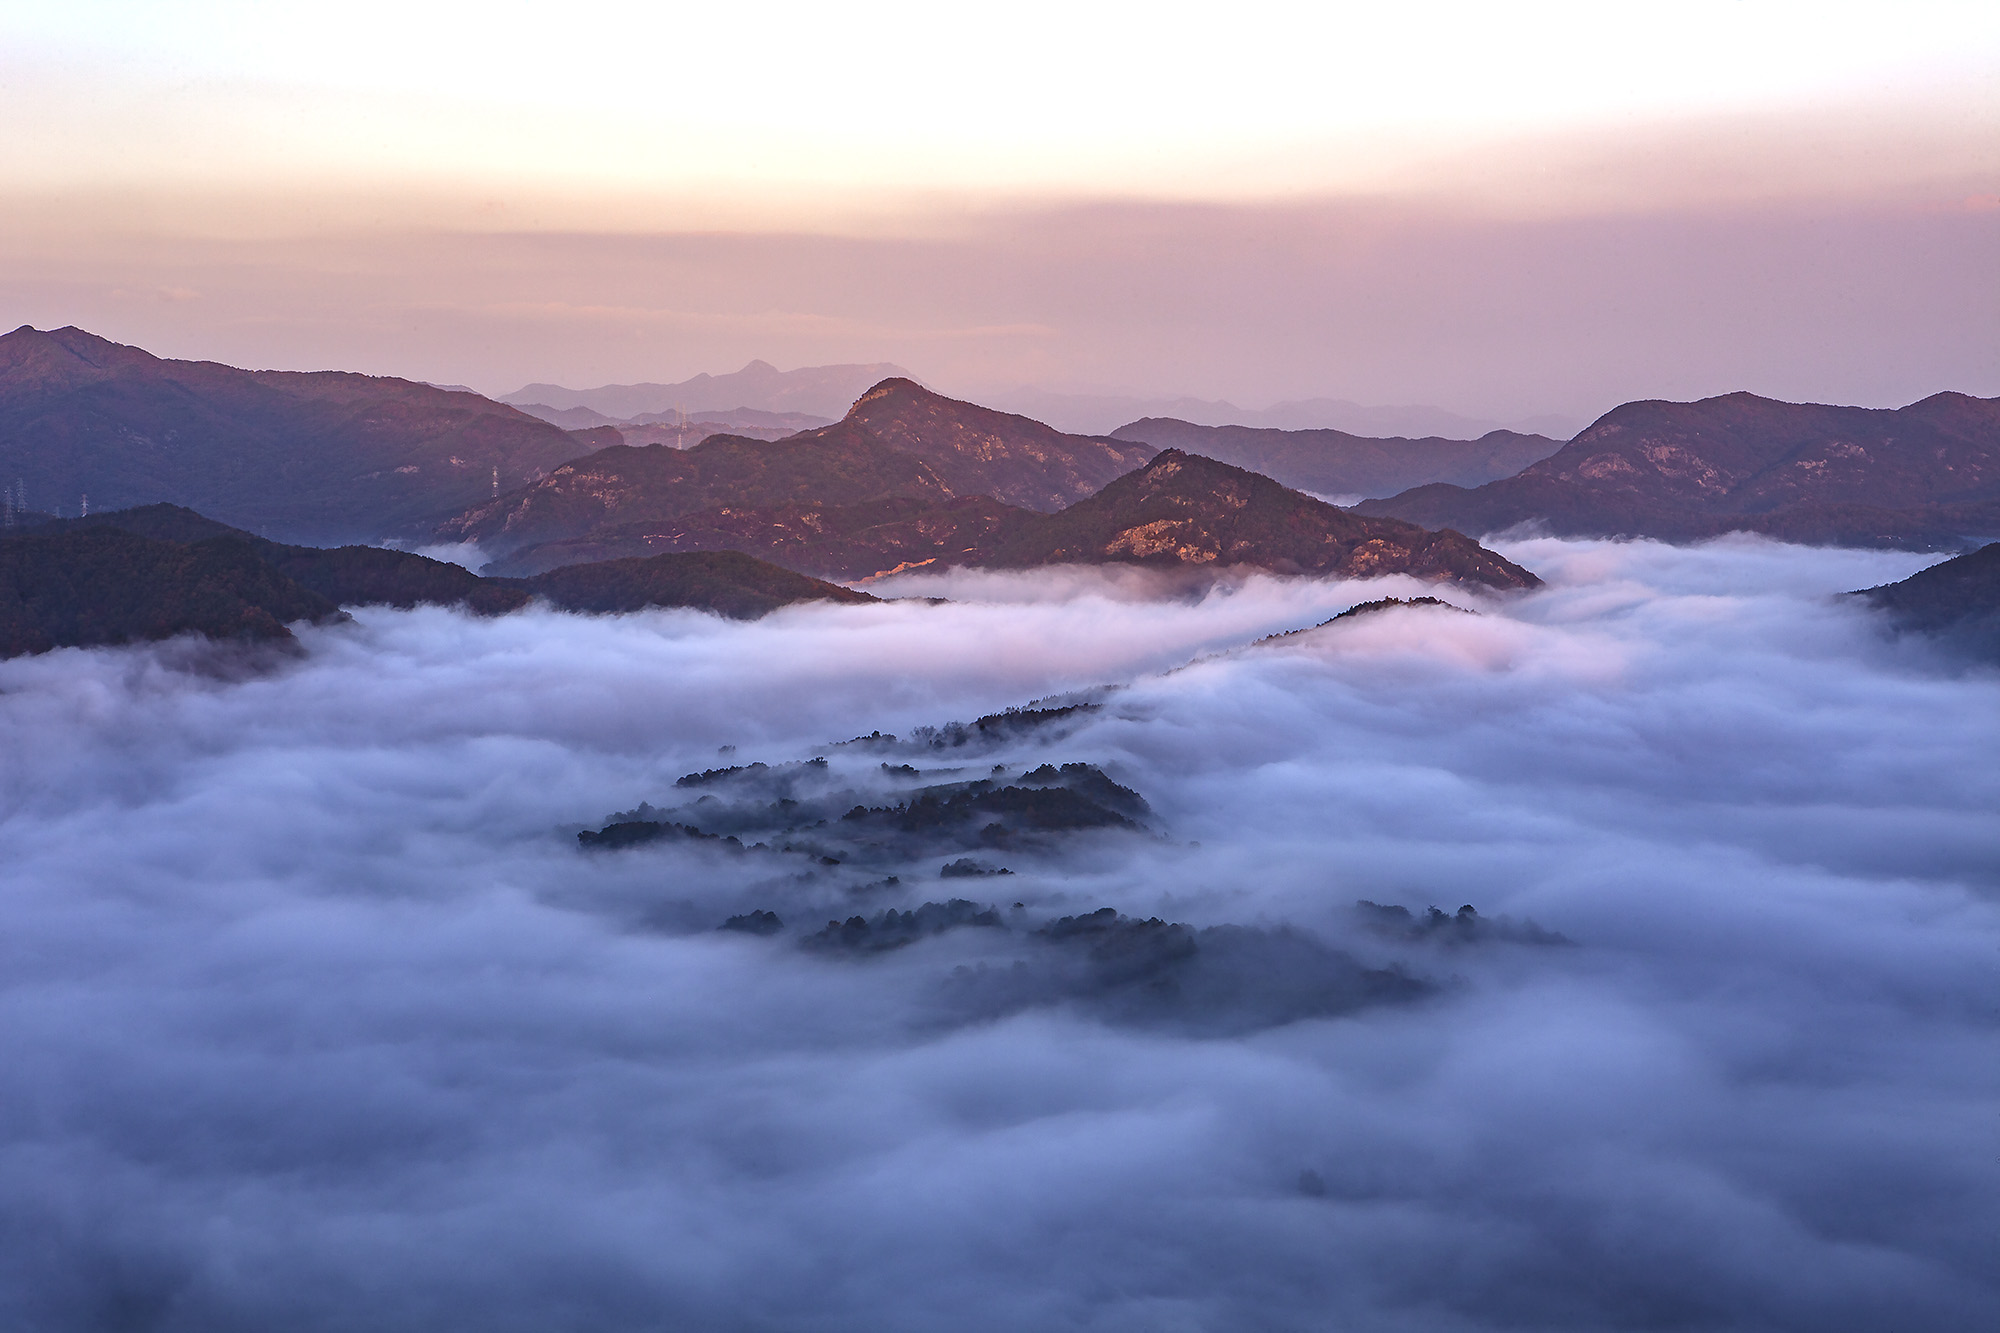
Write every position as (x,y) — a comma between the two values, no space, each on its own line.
(313,1015)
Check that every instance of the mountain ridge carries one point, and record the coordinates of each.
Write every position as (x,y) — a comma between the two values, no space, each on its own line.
(161,570)
(1923,475)
(898,440)
(315,455)
(1178,511)
(823,391)
(1333,462)
(1957,601)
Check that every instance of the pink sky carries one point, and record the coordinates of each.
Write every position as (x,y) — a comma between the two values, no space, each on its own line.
(1552,210)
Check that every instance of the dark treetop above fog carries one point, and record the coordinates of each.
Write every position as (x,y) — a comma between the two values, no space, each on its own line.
(1922,477)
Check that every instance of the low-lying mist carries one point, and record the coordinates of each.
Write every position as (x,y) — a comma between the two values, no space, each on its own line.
(314,1014)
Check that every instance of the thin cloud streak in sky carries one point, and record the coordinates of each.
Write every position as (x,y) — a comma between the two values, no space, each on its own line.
(311,1005)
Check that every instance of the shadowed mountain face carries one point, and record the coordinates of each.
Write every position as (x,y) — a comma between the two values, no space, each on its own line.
(1332,462)
(324,456)
(1922,476)
(728,583)
(1958,601)
(1177,512)
(158,571)
(102,586)
(345,575)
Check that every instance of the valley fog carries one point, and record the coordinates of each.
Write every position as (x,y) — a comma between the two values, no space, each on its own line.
(314,1015)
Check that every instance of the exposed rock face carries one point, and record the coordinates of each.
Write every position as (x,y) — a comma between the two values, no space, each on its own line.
(1333,462)
(1922,476)
(325,456)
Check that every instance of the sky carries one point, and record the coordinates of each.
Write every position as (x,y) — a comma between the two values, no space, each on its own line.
(1499,210)
(316,1016)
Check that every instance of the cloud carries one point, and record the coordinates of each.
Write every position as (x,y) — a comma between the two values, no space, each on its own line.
(312,1014)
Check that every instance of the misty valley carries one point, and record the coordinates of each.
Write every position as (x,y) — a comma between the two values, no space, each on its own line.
(918,868)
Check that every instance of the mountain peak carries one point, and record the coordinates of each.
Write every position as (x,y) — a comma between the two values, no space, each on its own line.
(64,356)
(896,386)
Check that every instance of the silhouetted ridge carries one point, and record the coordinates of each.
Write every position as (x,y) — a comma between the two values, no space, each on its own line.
(161,570)
(1333,462)
(1958,600)
(1178,511)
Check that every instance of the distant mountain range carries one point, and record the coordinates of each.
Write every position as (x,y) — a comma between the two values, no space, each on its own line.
(157,571)
(1332,462)
(324,456)
(1094,413)
(821,391)
(329,457)
(681,429)
(911,479)
(1926,476)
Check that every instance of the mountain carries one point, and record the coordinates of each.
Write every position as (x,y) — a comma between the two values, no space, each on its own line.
(1184,510)
(104,586)
(899,440)
(1921,476)
(728,583)
(1957,600)
(322,456)
(828,541)
(1179,511)
(842,464)
(1332,462)
(344,576)
(1092,413)
(159,570)
(822,391)
(978,451)
(569,418)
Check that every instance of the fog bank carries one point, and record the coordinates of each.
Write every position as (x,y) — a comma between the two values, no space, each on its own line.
(313,1014)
